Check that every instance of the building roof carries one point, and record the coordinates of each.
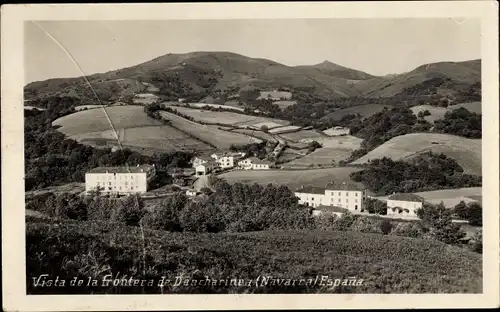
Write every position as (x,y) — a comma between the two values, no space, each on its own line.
(310,190)
(209,164)
(343,186)
(130,169)
(256,160)
(204,157)
(331,208)
(406,197)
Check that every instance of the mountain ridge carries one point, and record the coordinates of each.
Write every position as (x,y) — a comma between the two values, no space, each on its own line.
(204,72)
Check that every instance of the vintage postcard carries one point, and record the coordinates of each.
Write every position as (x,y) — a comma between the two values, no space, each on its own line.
(250,156)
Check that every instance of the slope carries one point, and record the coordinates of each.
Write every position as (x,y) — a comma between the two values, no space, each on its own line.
(467,152)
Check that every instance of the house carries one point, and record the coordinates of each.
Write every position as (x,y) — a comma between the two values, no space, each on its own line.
(191,192)
(259,164)
(337,131)
(119,180)
(245,164)
(224,160)
(205,168)
(343,195)
(404,204)
(332,210)
(198,160)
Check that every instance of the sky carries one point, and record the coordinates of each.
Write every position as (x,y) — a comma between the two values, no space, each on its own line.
(56,49)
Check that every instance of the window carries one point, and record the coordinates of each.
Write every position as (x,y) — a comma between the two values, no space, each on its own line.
(355,200)
(346,200)
(109,188)
(339,200)
(346,193)
(332,193)
(340,194)
(312,198)
(332,200)
(356,194)
(355,207)
(109,183)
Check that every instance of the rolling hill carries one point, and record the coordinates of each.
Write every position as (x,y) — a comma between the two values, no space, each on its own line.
(467,152)
(210,73)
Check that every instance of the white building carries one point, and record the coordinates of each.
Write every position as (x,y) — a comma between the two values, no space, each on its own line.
(403,204)
(205,168)
(343,195)
(191,192)
(253,163)
(224,160)
(119,180)
(198,160)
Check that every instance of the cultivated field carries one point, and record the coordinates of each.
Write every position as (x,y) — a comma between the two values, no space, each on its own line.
(467,152)
(291,178)
(436,112)
(364,110)
(303,135)
(230,118)
(210,134)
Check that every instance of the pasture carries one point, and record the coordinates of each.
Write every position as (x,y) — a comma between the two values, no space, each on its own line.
(275,95)
(94,120)
(291,178)
(285,104)
(285,129)
(83,107)
(209,134)
(301,135)
(334,150)
(229,118)
(436,112)
(132,127)
(258,134)
(364,110)
(450,197)
(467,152)
(200,105)
(473,107)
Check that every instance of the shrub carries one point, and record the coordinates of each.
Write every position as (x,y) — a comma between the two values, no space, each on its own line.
(408,229)
(386,227)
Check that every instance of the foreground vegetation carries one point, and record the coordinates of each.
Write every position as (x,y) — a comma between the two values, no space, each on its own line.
(386,264)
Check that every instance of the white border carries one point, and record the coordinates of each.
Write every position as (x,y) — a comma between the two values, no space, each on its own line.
(13,242)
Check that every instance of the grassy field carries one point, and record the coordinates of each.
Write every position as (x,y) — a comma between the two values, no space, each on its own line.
(285,129)
(450,197)
(363,110)
(258,134)
(235,107)
(474,107)
(385,263)
(133,128)
(275,95)
(334,150)
(230,118)
(436,112)
(93,120)
(291,178)
(210,134)
(302,135)
(82,107)
(467,152)
(285,104)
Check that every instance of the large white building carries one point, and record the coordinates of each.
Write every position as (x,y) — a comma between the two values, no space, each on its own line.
(343,195)
(119,180)
(224,160)
(199,160)
(404,204)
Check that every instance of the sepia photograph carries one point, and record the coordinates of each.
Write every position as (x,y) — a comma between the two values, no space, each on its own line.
(250,156)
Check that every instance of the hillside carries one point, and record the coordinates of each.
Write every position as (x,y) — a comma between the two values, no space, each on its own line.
(467,152)
(204,74)
(94,250)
